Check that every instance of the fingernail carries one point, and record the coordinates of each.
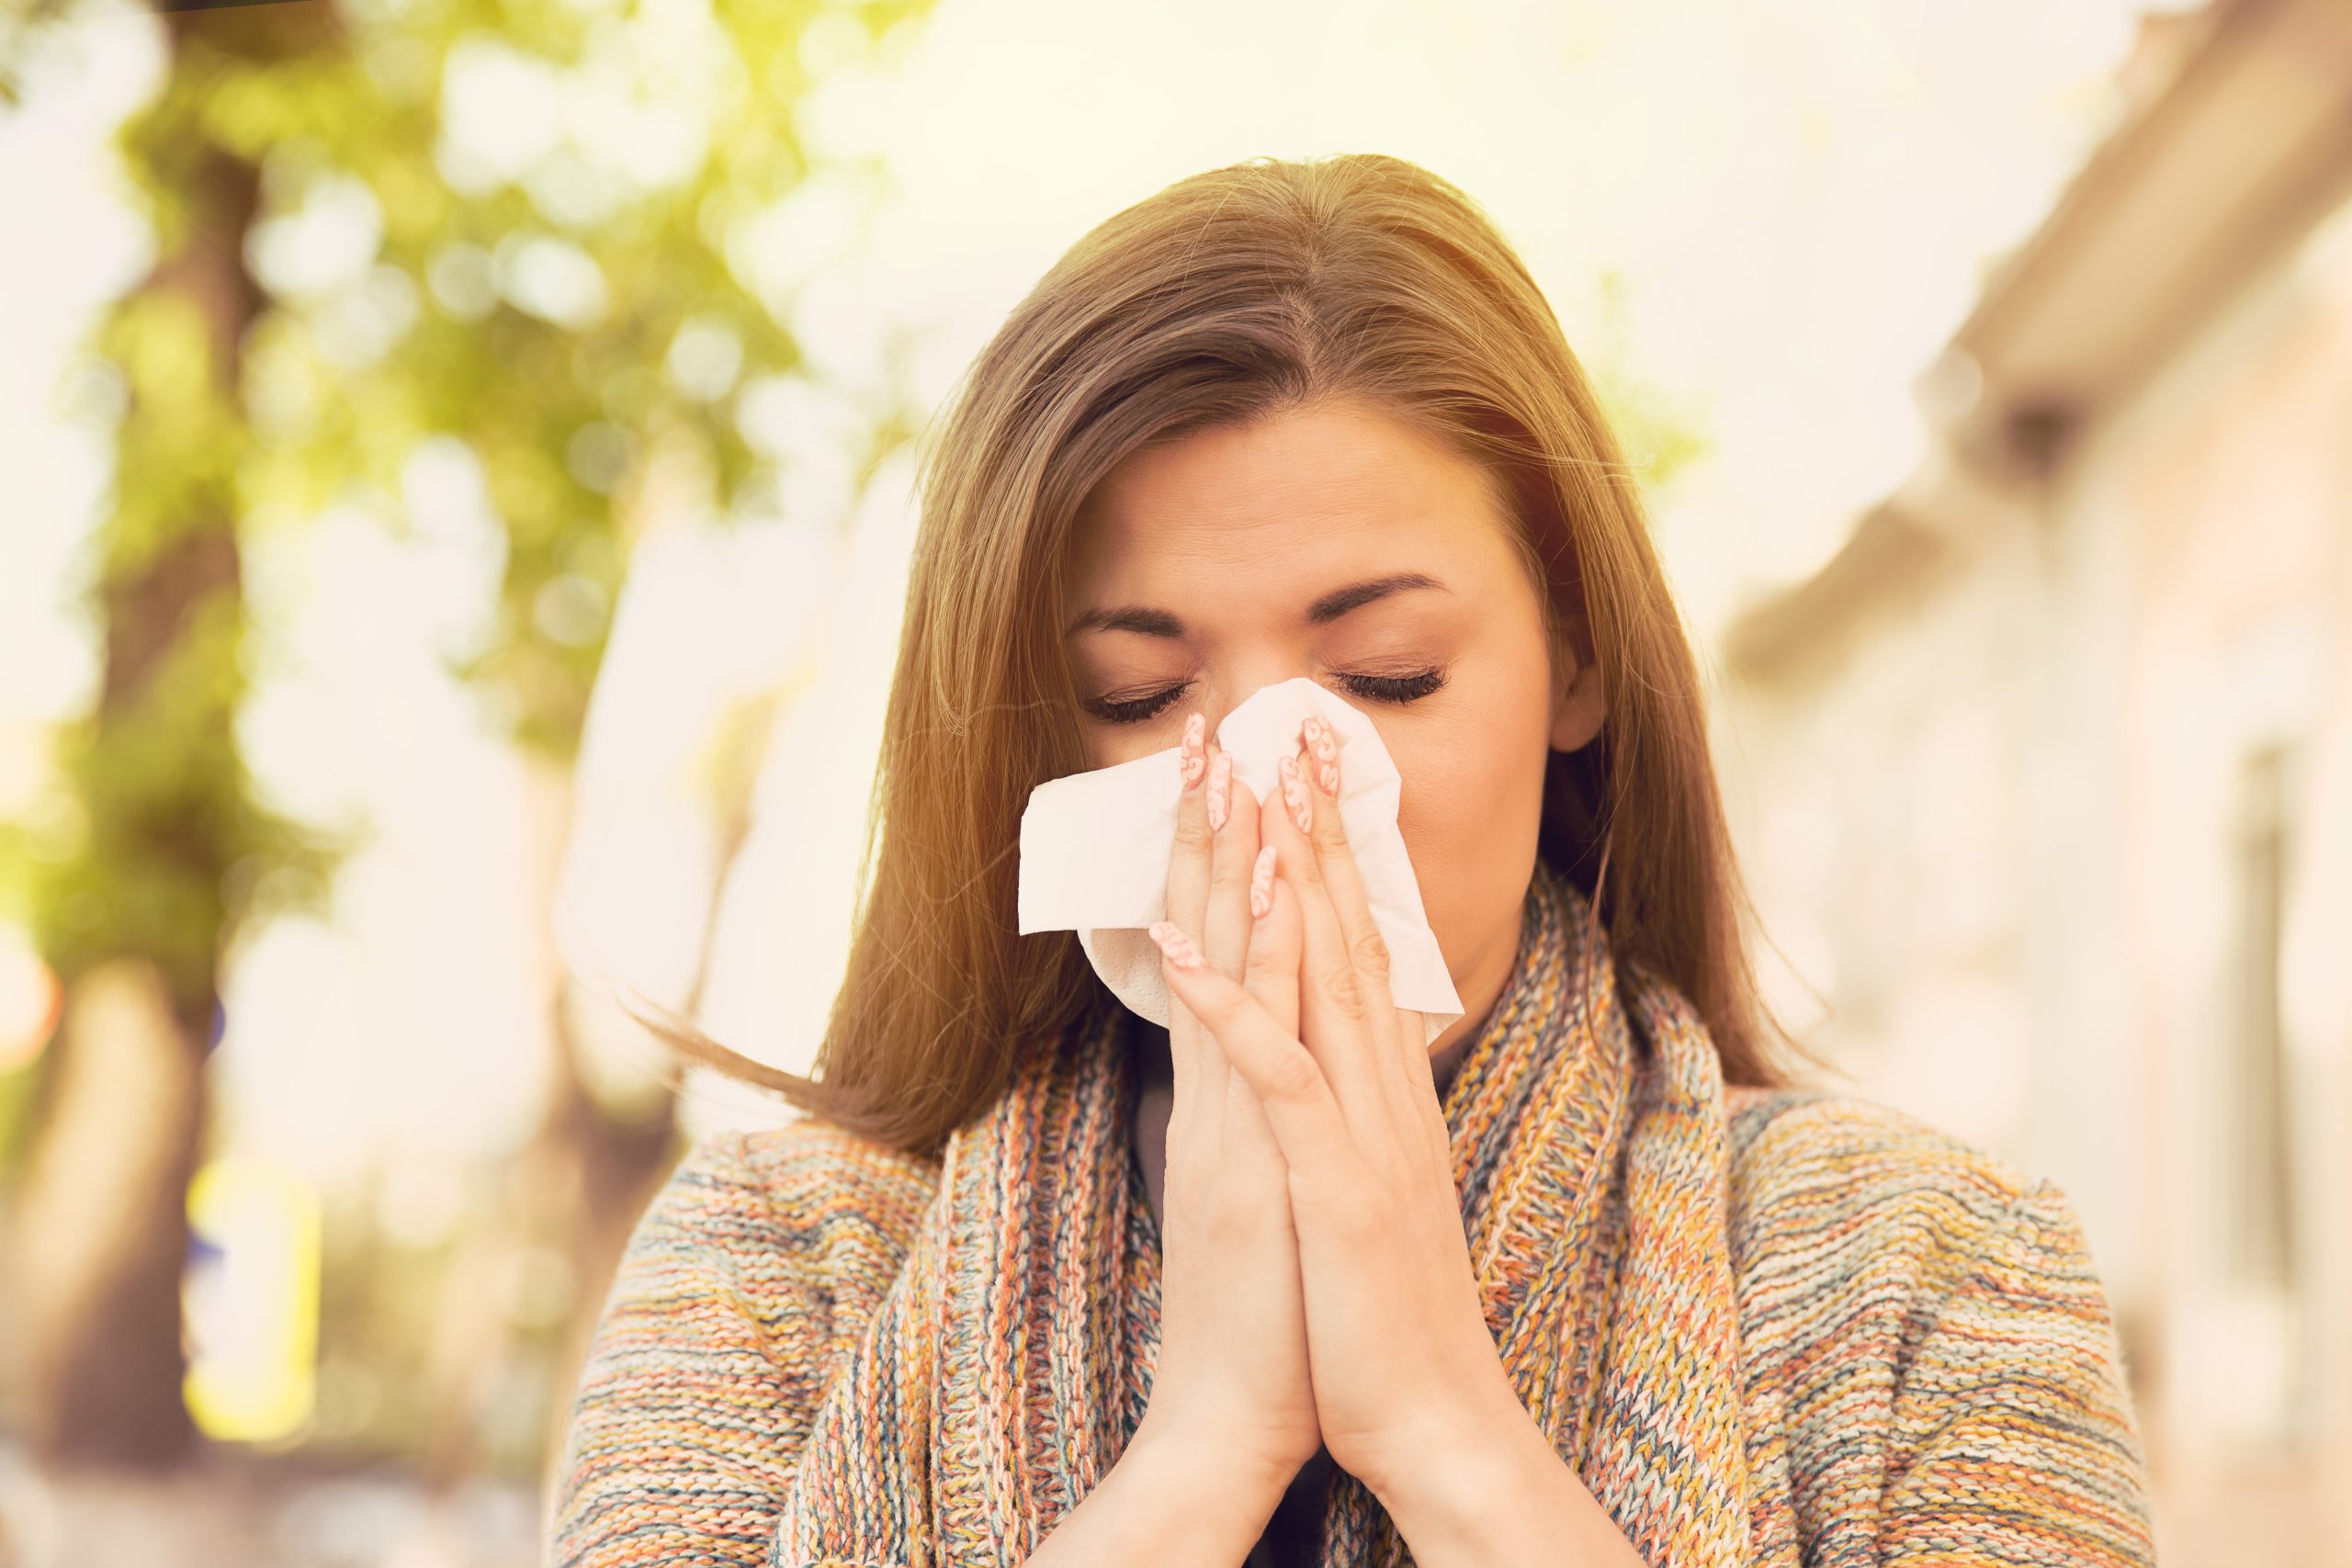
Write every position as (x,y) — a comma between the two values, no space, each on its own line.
(1175,944)
(1325,747)
(1262,884)
(1192,761)
(1295,795)
(1220,788)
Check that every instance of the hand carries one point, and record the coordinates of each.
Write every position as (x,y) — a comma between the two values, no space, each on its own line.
(1399,1354)
(1232,1372)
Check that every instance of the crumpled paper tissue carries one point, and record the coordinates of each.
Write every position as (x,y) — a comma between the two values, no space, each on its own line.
(1094,849)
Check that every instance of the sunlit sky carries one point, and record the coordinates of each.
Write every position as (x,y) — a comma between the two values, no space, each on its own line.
(1801,198)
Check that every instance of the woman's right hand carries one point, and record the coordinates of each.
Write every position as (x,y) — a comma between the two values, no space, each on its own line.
(1232,1373)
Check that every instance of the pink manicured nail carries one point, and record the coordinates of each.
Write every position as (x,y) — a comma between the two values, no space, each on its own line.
(1175,944)
(1295,795)
(1325,747)
(1220,789)
(1262,884)
(1194,760)
(1319,739)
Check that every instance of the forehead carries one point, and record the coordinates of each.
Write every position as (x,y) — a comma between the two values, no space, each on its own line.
(1302,494)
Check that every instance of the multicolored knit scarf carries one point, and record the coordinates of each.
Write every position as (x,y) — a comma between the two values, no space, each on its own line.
(1011,1360)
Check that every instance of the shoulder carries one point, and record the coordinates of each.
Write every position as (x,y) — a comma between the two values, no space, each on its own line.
(1928,1325)
(1804,1149)
(751,1273)
(803,1167)
(813,1167)
(804,1199)
(1852,1220)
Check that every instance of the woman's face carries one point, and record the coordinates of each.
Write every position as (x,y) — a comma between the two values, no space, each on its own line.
(1342,545)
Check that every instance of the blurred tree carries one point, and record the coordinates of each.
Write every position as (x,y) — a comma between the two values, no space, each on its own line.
(563,234)
(133,912)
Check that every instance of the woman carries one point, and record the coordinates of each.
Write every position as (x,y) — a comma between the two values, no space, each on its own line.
(1579,1279)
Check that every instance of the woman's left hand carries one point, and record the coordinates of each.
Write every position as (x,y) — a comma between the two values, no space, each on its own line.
(1403,1365)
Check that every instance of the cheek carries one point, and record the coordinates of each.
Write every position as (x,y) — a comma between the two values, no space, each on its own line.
(1473,802)
(1107,746)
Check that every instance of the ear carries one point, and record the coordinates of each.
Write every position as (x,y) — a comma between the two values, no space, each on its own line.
(1579,702)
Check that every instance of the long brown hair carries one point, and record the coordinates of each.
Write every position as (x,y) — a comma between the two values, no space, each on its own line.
(1263,285)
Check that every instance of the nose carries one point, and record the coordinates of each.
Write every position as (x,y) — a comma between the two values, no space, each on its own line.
(1247,681)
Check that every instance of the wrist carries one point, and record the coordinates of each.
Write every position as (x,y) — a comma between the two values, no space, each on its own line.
(1451,1476)
(1169,1501)
(1210,1461)
(1489,1489)
(1446,1446)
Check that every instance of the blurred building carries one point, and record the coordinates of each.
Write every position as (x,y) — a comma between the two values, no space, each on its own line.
(2044,781)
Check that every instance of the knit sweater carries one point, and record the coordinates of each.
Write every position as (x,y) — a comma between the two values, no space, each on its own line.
(1928,1323)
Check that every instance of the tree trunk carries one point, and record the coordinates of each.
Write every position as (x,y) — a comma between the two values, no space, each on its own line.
(103,1229)
(102,1224)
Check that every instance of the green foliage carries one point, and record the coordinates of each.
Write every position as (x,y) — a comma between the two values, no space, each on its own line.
(170,848)
(534,306)
(564,315)
(344,278)
(162,845)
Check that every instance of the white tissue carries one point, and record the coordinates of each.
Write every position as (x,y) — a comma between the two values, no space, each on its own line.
(1094,849)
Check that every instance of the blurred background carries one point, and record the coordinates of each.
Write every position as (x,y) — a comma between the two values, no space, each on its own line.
(454,507)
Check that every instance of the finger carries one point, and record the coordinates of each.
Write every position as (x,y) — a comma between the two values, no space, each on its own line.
(1272,975)
(1188,858)
(1188,892)
(1343,877)
(1335,1015)
(1232,816)
(1306,1120)
(1336,859)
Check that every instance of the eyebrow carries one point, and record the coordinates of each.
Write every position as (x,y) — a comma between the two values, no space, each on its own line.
(1146,621)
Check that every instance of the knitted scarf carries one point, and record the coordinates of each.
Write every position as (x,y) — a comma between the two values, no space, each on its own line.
(1011,1360)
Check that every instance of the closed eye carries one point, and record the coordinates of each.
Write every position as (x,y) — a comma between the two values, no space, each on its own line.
(1396,690)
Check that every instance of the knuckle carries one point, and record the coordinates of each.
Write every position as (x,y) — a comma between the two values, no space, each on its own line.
(1292,1074)
(1346,995)
(1263,965)
(1193,835)
(1372,954)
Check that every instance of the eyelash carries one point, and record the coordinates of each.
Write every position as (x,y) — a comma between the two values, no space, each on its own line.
(1398,689)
